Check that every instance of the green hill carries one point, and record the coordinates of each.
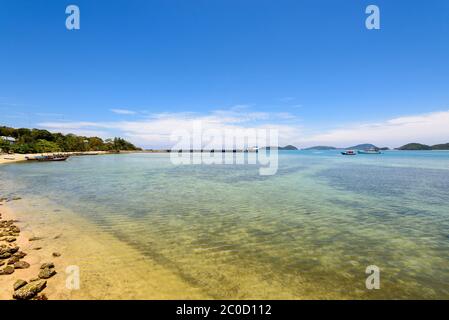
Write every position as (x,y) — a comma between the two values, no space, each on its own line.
(443,146)
(321,148)
(289,147)
(363,146)
(415,146)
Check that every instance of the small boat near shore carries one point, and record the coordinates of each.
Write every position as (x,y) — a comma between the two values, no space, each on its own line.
(349,153)
(57,157)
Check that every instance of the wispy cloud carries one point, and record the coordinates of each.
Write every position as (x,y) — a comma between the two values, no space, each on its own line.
(430,128)
(155,131)
(123,111)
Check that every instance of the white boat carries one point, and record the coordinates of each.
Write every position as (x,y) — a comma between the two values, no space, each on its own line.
(349,153)
(369,151)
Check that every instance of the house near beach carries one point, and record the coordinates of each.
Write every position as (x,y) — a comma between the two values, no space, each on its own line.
(9,140)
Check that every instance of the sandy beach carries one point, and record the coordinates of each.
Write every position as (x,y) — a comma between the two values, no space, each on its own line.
(17,157)
(80,245)
(35,259)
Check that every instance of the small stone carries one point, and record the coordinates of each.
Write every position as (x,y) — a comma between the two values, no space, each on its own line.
(10,239)
(13,260)
(5,255)
(12,250)
(30,290)
(16,198)
(34,238)
(56,254)
(37,248)
(20,254)
(21,265)
(47,265)
(7,270)
(2,262)
(14,229)
(47,273)
(19,284)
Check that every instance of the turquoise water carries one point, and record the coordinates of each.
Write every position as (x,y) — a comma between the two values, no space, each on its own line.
(307,232)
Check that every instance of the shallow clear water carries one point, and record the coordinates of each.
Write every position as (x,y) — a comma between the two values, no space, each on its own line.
(307,232)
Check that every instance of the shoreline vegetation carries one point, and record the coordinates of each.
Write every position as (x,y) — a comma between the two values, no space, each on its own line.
(29,141)
(18,144)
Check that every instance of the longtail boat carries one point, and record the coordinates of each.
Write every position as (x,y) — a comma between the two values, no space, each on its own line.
(58,157)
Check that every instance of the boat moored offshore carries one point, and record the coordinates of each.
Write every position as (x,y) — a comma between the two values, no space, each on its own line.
(369,151)
(349,153)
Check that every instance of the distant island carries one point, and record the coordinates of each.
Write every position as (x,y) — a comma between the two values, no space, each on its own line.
(320,148)
(288,147)
(363,146)
(25,141)
(419,146)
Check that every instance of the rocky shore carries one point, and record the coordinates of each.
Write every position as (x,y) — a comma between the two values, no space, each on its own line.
(49,233)
(12,258)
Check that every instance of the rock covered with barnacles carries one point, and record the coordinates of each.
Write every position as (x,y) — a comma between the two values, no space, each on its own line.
(29,290)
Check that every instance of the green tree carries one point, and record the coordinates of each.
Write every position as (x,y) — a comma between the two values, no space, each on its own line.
(38,140)
(95,144)
(5,146)
(38,134)
(46,146)
(22,148)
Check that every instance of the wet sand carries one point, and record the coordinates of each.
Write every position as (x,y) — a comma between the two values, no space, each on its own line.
(102,274)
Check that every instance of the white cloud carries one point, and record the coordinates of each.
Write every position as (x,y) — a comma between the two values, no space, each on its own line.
(156,130)
(67,125)
(430,128)
(123,111)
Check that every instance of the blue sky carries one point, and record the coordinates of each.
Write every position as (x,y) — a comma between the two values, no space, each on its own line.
(311,68)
